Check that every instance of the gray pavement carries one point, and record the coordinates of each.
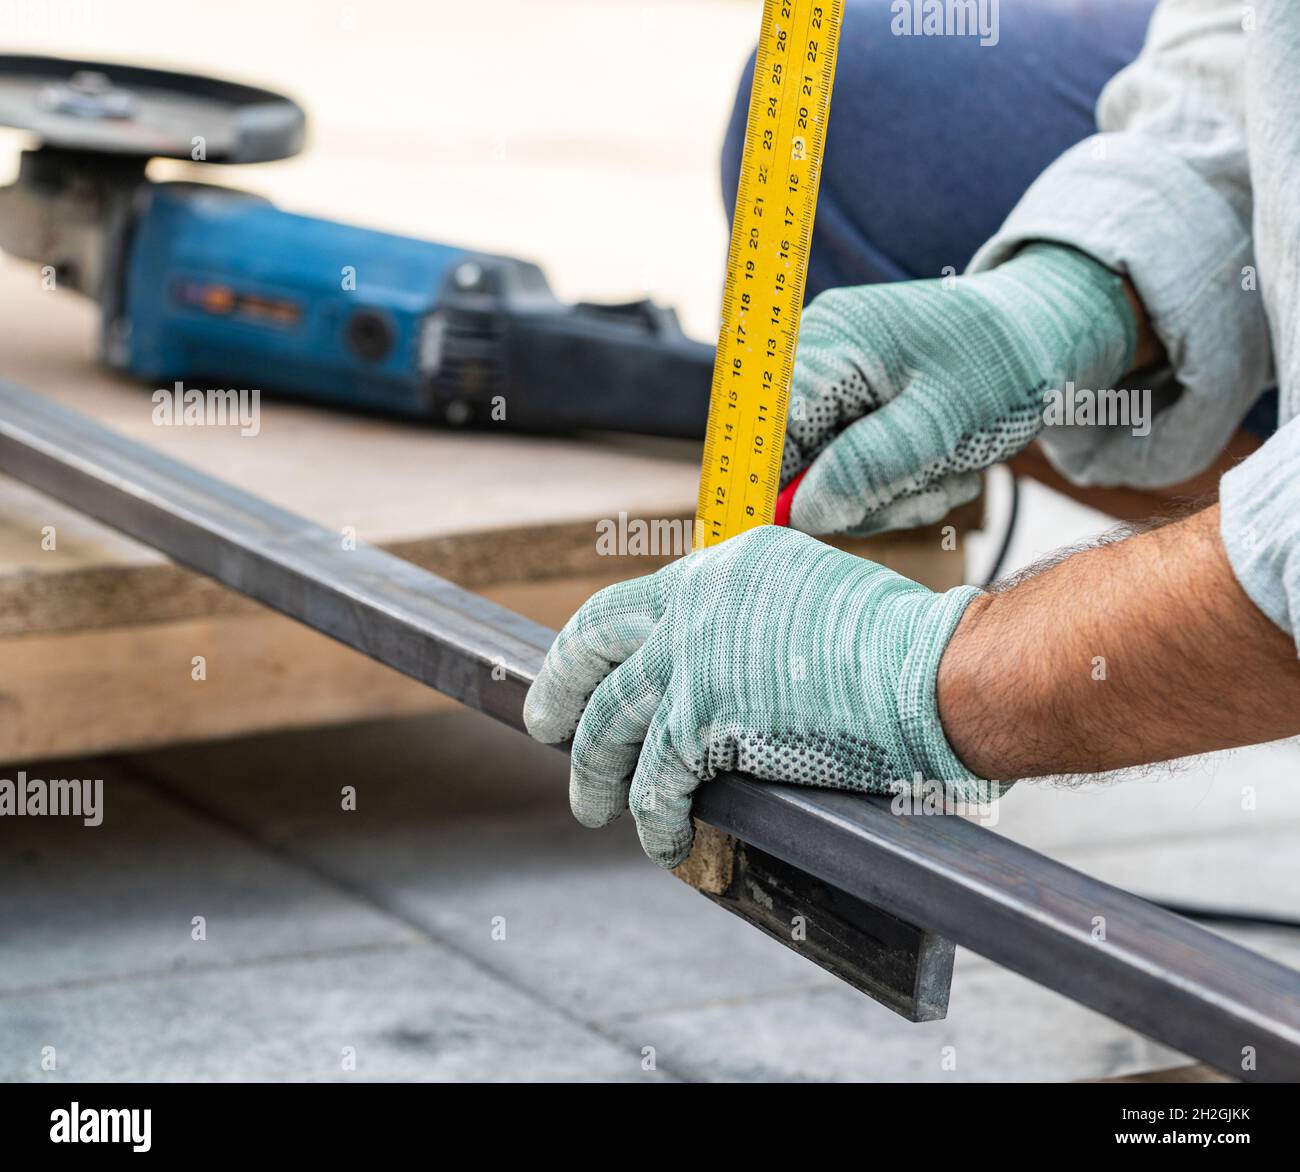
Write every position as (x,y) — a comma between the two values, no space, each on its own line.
(458,925)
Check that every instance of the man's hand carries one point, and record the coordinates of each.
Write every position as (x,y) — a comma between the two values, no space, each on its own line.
(771,654)
(904,393)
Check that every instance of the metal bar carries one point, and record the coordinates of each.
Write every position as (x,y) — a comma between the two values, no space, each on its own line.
(1107,949)
(1164,976)
(425,627)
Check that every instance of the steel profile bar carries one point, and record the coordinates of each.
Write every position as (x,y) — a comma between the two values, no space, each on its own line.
(1162,975)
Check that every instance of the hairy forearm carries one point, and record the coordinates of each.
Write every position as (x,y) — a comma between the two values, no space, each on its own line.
(1136,651)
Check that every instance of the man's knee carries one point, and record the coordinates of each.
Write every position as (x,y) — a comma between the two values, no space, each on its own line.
(933,138)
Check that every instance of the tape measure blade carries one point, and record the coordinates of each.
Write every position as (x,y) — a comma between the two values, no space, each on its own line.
(767,266)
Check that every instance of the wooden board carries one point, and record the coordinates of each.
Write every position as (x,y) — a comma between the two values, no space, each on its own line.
(98,655)
(134,686)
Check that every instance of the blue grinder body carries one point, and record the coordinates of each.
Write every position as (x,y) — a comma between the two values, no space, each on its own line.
(219,288)
(223,286)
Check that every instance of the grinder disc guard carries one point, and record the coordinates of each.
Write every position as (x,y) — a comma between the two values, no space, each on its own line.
(125,110)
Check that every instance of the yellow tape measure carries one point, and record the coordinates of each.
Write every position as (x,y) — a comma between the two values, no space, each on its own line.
(767,266)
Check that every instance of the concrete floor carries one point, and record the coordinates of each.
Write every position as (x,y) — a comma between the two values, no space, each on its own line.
(458,924)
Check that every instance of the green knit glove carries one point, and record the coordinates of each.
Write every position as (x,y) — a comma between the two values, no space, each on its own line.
(903,393)
(771,654)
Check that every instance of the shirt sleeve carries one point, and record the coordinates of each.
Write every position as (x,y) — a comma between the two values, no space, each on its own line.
(1162,194)
(1259,521)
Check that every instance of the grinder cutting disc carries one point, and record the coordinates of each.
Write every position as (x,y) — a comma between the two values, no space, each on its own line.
(146,113)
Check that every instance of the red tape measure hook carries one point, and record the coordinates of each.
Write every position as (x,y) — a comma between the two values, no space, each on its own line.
(786,500)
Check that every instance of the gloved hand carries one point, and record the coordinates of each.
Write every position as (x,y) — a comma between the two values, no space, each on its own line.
(771,654)
(903,393)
